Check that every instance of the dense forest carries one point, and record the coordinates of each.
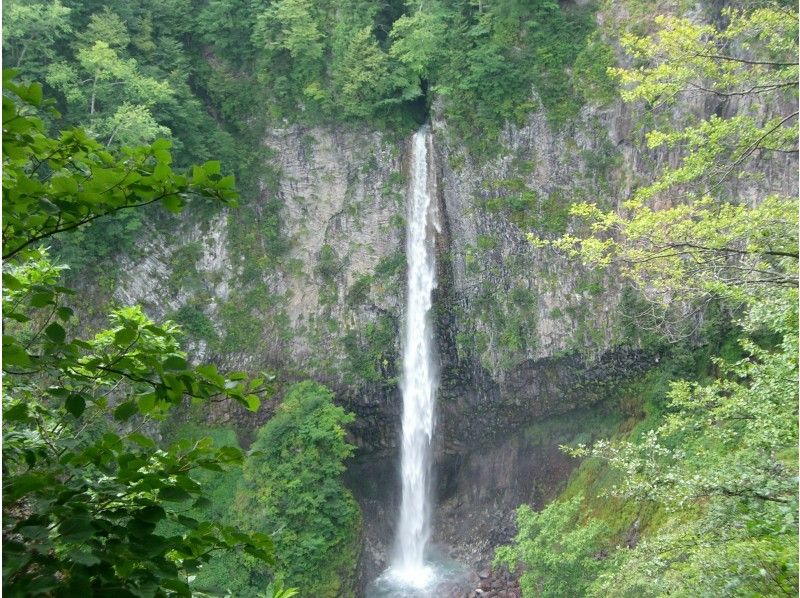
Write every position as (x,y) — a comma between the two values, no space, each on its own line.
(207,274)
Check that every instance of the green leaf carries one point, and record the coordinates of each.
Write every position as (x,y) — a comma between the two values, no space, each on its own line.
(174,362)
(56,333)
(76,528)
(21,485)
(161,144)
(42,298)
(125,410)
(253,402)
(142,440)
(11,282)
(147,402)
(16,413)
(173,203)
(211,167)
(124,337)
(75,404)
(14,354)
(64,313)
(179,587)
(173,493)
(34,94)
(152,514)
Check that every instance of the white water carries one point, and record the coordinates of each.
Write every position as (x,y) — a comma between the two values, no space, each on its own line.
(419,381)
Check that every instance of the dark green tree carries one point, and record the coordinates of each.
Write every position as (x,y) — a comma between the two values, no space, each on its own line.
(292,489)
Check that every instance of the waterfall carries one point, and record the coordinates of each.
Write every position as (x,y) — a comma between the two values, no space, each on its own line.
(419,381)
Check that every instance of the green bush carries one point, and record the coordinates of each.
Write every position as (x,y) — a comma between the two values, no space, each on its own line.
(559,557)
(292,489)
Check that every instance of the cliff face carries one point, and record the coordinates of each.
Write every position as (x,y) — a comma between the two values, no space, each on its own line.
(308,279)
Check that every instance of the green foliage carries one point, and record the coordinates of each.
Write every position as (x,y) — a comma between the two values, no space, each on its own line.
(591,77)
(487,76)
(732,444)
(390,265)
(184,267)
(560,558)
(686,248)
(195,322)
(328,265)
(358,294)
(370,354)
(292,489)
(362,78)
(525,207)
(508,320)
(90,504)
(31,32)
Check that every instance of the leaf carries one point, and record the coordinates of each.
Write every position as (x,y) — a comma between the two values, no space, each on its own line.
(75,404)
(174,362)
(187,521)
(35,94)
(173,203)
(253,402)
(64,313)
(83,558)
(56,333)
(161,144)
(16,413)
(76,528)
(11,282)
(125,410)
(173,493)
(42,298)
(21,485)
(141,439)
(14,353)
(179,587)
(212,167)
(124,336)
(147,402)
(152,514)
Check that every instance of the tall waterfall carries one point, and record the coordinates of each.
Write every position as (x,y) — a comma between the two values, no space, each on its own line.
(419,381)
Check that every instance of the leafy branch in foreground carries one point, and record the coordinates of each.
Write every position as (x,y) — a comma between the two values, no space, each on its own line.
(91,504)
(54,185)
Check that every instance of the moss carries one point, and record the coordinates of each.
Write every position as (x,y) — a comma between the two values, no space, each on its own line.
(242,328)
(184,274)
(390,266)
(371,351)
(328,265)
(486,242)
(358,293)
(555,213)
(195,322)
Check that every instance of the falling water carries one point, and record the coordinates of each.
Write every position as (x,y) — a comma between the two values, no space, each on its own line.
(419,380)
